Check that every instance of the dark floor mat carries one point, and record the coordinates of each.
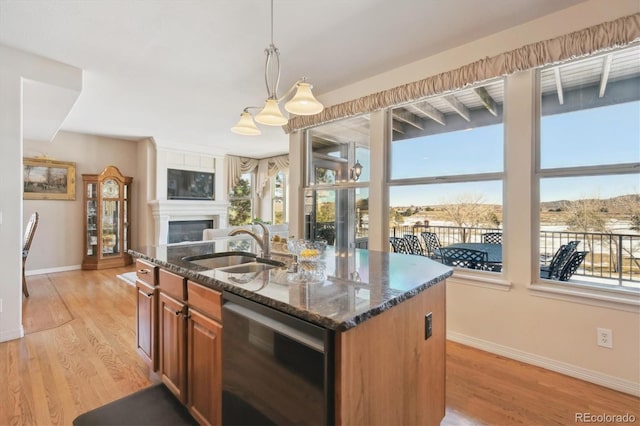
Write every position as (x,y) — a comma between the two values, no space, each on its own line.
(155,405)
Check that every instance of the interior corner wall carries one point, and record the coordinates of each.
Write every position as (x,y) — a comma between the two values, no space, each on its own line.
(16,67)
(10,205)
(146,170)
(58,241)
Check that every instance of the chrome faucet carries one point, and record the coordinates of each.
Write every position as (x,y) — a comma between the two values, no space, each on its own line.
(263,241)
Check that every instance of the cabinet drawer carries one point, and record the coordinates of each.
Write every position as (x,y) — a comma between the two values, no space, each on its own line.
(147,272)
(172,284)
(204,299)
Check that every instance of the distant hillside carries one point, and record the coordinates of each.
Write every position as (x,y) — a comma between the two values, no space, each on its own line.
(614,205)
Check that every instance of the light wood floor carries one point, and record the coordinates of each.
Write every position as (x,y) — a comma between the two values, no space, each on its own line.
(79,353)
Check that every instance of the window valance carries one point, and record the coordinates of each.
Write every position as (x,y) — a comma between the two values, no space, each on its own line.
(266,168)
(607,35)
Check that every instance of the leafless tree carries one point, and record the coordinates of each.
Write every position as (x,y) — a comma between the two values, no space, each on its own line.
(468,210)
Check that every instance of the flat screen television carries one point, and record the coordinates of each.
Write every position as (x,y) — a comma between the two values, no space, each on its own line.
(190,185)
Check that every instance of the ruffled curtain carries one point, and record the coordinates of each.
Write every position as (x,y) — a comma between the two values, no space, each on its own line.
(607,35)
(236,166)
(268,168)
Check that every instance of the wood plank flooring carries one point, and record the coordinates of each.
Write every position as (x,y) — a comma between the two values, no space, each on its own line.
(83,356)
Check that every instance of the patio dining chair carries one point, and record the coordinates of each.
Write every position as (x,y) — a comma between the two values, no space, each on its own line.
(399,245)
(572,265)
(492,238)
(464,258)
(559,259)
(414,244)
(432,244)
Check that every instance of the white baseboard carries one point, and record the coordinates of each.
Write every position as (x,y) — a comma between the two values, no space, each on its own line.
(616,383)
(16,333)
(52,270)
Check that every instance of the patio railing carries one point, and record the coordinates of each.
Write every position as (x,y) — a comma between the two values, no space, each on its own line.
(612,258)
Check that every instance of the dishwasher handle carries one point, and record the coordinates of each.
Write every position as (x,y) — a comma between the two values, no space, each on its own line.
(286,330)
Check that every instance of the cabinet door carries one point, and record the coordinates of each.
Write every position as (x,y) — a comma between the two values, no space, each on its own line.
(146,323)
(205,368)
(172,345)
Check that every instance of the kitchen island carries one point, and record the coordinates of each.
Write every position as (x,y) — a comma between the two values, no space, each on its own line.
(384,313)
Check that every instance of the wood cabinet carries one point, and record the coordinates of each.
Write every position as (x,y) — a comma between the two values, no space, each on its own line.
(173,345)
(388,372)
(387,369)
(147,312)
(107,212)
(172,332)
(204,368)
(190,345)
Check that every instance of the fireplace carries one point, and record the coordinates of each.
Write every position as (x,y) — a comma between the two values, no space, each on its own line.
(187,230)
(193,216)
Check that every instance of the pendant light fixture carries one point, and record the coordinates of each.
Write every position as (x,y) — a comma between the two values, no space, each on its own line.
(302,103)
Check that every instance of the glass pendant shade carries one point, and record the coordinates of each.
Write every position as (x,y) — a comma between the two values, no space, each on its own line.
(246,126)
(271,114)
(303,102)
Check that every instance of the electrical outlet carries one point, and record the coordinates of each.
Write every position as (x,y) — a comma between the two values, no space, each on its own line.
(0,305)
(428,325)
(605,337)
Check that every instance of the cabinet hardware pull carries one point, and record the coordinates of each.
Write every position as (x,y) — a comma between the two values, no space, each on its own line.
(178,313)
(143,271)
(149,294)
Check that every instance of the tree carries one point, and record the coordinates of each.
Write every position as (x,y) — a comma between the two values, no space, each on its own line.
(240,204)
(586,215)
(468,211)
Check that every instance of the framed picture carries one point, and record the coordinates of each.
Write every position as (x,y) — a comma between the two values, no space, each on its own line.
(46,179)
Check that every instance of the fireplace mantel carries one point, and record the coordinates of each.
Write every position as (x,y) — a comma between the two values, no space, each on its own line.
(165,211)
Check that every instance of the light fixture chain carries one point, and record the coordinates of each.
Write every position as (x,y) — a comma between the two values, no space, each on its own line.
(302,103)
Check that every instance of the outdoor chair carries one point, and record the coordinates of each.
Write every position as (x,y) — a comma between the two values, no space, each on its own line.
(28,238)
(464,258)
(399,245)
(577,257)
(492,238)
(560,257)
(414,244)
(432,243)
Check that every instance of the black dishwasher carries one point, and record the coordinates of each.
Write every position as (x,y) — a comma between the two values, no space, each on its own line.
(276,369)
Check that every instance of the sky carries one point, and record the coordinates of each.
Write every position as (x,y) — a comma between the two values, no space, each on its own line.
(606,135)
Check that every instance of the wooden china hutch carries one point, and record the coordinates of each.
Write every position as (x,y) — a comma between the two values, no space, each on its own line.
(107,213)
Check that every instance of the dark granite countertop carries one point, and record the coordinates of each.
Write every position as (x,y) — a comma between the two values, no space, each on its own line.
(359,284)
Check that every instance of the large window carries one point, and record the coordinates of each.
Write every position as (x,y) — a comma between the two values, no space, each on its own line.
(279,199)
(240,201)
(447,166)
(588,169)
(336,190)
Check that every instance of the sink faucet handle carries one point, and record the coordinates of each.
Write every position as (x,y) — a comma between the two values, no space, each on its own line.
(266,241)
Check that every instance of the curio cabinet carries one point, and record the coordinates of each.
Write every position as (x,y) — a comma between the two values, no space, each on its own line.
(107,212)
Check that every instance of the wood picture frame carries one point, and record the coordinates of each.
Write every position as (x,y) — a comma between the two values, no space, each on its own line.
(45,179)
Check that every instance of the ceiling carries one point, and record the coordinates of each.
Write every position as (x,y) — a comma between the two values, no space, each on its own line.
(182,71)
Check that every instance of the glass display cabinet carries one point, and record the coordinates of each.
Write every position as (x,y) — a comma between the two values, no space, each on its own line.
(107,198)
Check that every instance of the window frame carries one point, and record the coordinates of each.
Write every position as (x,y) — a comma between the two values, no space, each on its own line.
(489,279)
(621,298)
(250,197)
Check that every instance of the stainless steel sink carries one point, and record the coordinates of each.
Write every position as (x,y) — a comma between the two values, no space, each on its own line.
(221,260)
(251,267)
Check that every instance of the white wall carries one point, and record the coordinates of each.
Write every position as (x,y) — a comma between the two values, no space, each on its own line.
(510,317)
(15,68)
(58,242)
